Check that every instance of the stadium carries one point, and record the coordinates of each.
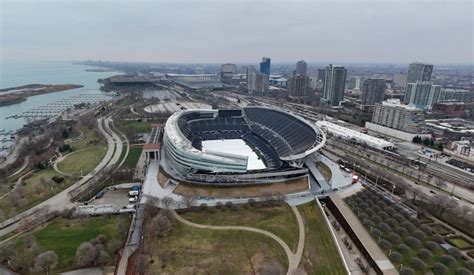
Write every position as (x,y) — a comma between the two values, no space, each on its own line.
(249,146)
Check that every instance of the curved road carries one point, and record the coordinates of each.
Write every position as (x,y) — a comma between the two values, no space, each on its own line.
(293,258)
(62,200)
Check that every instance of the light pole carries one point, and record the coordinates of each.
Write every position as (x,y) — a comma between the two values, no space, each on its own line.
(393,189)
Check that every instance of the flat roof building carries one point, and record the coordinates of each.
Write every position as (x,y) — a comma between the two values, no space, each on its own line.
(393,114)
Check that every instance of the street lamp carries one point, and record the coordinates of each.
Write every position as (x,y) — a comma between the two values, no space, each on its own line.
(393,189)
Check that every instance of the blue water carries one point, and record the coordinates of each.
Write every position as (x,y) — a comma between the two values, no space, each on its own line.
(23,73)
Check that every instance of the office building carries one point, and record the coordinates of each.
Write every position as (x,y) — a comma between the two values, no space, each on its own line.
(257,82)
(334,84)
(301,67)
(393,114)
(423,94)
(419,72)
(228,70)
(321,75)
(457,94)
(400,80)
(373,91)
(265,65)
(298,86)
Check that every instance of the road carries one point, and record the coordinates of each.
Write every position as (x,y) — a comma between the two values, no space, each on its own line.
(62,200)
(11,158)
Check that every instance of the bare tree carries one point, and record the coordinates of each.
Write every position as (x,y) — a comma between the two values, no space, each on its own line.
(188,201)
(415,191)
(162,224)
(168,201)
(86,254)
(440,184)
(46,261)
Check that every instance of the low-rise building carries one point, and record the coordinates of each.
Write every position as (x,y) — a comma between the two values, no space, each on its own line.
(449,108)
(463,149)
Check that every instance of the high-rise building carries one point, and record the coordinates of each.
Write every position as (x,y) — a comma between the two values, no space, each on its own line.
(257,82)
(422,94)
(298,85)
(400,79)
(353,82)
(373,91)
(321,74)
(393,114)
(334,84)
(301,67)
(419,72)
(457,94)
(265,65)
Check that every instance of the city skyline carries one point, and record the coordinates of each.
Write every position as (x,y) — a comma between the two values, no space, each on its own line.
(233,32)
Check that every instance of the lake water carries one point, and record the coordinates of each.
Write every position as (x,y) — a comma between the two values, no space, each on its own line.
(23,73)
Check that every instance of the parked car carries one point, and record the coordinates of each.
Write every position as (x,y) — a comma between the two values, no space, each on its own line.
(132,199)
(99,194)
(136,188)
(133,193)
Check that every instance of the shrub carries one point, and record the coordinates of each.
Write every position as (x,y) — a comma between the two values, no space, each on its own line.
(251,202)
(399,217)
(57,179)
(408,226)
(396,257)
(455,252)
(363,216)
(363,206)
(389,210)
(439,268)
(407,271)
(419,234)
(404,249)
(432,245)
(219,205)
(415,221)
(413,242)
(385,227)
(368,223)
(438,238)
(401,231)
(447,260)
(377,233)
(383,215)
(385,244)
(394,238)
(376,219)
(470,264)
(417,263)
(425,254)
(463,271)
(392,222)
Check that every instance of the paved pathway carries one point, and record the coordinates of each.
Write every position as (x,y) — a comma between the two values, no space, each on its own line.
(293,258)
(62,200)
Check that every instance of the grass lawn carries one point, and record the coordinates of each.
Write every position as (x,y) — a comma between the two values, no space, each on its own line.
(460,243)
(320,255)
(138,126)
(38,187)
(133,156)
(85,160)
(188,250)
(441,229)
(279,220)
(325,170)
(91,138)
(64,236)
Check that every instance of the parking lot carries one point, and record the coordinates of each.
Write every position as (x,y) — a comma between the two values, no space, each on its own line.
(119,198)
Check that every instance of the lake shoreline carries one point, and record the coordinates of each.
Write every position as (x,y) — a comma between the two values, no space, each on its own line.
(15,95)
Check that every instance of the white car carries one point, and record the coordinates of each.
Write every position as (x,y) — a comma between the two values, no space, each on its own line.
(132,199)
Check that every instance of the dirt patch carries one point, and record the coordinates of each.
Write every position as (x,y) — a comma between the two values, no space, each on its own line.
(162,178)
(275,189)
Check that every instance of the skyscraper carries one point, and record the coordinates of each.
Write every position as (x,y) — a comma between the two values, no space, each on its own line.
(422,94)
(257,82)
(301,67)
(334,84)
(265,65)
(298,85)
(373,91)
(419,72)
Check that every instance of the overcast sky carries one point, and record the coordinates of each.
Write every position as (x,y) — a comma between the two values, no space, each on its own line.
(374,31)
